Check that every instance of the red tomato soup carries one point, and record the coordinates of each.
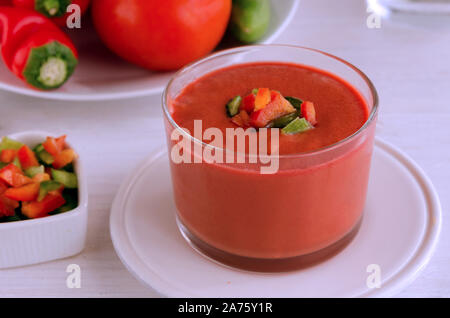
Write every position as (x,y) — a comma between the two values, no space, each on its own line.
(318,194)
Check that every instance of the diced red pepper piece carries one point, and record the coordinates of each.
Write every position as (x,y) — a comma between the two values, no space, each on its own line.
(41,177)
(25,193)
(37,209)
(64,158)
(309,112)
(245,118)
(27,158)
(13,176)
(54,145)
(8,155)
(248,103)
(7,206)
(262,99)
(242,119)
(237,120)
(50,146)
(3,187)
(273,95)
(278,107)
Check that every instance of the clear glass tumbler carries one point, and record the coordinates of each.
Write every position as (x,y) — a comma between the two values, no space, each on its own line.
(281,230)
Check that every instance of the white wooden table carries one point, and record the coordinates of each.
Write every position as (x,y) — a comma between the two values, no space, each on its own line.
(410,66)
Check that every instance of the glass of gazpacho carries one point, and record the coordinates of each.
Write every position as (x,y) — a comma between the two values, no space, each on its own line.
(270,149)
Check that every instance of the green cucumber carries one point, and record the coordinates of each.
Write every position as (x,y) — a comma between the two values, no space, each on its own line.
(32,171)
(233,106)
(46,187)
(250,19)
(296,126)
(283,121)
(8,143)
(68,179)
(296,102)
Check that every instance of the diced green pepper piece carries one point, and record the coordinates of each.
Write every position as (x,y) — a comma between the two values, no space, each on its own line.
(296,126)
(254,91)
(46,187)
(296,102)
(8,143)
(43,155)
(2,165)
(32,171)
(68,179)
(283,121)
(38,148)
(16,162)
(233,106)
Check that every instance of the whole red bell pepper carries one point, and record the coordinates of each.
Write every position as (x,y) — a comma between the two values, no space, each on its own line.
(35,49)
(54,9)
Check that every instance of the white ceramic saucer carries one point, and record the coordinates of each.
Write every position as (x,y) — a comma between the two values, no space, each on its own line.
(399,232)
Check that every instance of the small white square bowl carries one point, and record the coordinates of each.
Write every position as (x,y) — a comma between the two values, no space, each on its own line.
(45,239)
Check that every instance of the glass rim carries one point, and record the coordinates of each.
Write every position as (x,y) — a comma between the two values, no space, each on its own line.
(243,49)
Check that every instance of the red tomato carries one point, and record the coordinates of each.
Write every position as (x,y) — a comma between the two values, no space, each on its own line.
(161,35)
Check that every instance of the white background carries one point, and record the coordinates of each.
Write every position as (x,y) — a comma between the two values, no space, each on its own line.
(409,64)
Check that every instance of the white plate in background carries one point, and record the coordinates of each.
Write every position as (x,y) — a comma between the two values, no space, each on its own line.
(101,75)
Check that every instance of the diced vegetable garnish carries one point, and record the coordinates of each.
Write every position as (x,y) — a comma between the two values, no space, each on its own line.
(242,119)
(25,193)
(16,162)
(13,176)
(27,158)
(248,103)
(7,206)
(309,112)
(64,158)
(68,179)
(46,187)
(296,102)
(54,145)
(71,197)
(39,182)
(265,108)
(7,155)
(283,121)
(33,171)
(41,177)
(262,98)
(8,143)
(233,106)
(37,209)
(296,126)
(43,155)
(276,108)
